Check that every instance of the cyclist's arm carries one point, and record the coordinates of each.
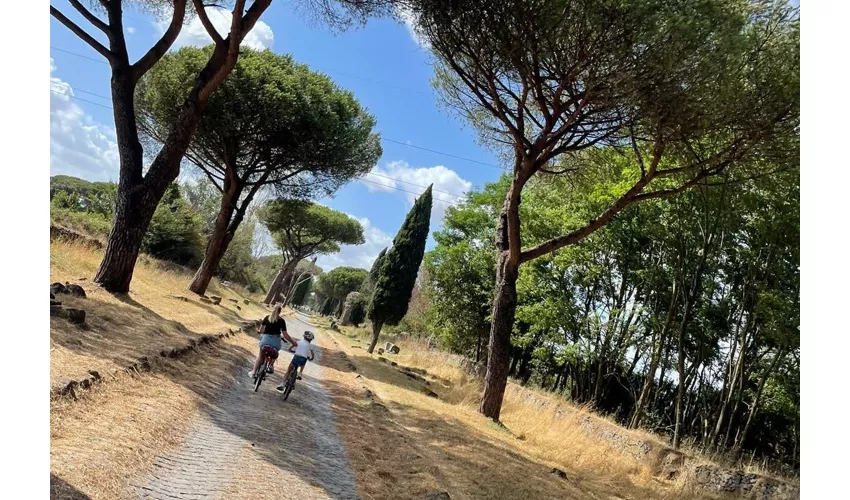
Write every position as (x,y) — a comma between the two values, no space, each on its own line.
(286,336)
(312,354)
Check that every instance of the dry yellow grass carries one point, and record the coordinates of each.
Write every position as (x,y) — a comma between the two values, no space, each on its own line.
(120,329)
(477,459)
(109,436)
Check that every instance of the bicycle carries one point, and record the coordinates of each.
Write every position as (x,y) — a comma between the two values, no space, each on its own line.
(289,383)
(269,355)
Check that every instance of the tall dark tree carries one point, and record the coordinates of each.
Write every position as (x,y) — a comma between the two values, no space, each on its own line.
(689,89)
(272,125)
(140,190)
(397,270)
(302,229)
(299,296)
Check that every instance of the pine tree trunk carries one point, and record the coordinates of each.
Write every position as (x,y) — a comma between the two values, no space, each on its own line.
(274,288)
(134,206)
(754,407)
(223,233)
(280,281)
(498,352)
(139,195)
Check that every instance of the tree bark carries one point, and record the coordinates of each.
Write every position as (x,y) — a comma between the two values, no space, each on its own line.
(138,194)
(225,229)
(648,382)
(281,279)
(376,331)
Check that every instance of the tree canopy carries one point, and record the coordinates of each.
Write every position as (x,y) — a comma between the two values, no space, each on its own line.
(337,283)
(691,92)
(272,124)
(700,290)
(302,229)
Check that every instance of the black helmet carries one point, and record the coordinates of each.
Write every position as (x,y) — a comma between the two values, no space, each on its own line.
(308,336)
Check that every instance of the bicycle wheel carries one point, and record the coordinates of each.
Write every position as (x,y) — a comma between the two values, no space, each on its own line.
(259,376)
(290,384)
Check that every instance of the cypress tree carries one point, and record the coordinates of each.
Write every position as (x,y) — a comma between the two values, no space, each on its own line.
(396,272)
(369,283)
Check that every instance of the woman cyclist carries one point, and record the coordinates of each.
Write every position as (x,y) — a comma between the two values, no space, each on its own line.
(272,329)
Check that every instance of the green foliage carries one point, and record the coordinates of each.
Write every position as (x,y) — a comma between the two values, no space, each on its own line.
(327,307)
(397,270)
(174,233)
(271,122)
(368,287)
(606,299)
(358,311)
(339,282)
(302,228)
(299,296)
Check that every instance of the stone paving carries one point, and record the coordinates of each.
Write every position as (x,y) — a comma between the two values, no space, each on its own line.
(256,442)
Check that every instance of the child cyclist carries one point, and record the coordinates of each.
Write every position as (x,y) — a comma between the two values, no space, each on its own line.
(303,352)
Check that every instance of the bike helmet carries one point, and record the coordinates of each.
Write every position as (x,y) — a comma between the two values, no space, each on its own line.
(308,336)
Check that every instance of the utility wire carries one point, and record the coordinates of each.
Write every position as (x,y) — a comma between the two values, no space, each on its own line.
(347,74)
(361,179)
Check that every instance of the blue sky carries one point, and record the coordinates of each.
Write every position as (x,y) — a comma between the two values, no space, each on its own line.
(381,63)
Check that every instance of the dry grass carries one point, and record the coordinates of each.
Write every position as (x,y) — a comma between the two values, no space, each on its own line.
(474,458)
(113,432)
(100,442)
(123,328)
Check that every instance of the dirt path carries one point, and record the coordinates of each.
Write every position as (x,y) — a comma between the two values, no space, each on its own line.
(255,445)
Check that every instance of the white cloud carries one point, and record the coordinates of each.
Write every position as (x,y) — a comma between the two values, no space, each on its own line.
(260,37)
(360,256)
(78,145)
(399,177)
(131,30)
(409,19)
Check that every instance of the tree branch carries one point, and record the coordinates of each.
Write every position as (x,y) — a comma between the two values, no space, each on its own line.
(164,43)
(81,33)
(603,219)
(102,26)
(205,21)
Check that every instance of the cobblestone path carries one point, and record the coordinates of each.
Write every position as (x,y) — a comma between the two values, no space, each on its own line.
(255,445)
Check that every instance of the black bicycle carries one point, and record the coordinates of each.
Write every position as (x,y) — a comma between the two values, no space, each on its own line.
(269,355)
(289,383)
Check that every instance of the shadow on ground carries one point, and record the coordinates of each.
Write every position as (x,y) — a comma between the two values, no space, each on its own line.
(60,489)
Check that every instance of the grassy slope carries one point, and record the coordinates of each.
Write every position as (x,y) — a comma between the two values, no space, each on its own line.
(467,455)
(400,445)
(121,329)
(110,435)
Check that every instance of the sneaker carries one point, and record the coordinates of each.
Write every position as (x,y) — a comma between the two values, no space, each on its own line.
(279,388)
(299,377)
(251,373)
(271,370)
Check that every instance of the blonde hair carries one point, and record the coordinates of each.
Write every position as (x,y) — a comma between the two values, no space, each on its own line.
(275,315)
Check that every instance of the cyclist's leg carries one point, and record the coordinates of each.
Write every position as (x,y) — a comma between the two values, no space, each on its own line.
(286,376)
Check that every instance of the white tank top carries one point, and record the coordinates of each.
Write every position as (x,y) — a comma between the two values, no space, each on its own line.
(303,348)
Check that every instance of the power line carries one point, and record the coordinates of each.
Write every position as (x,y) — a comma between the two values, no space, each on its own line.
(406,191)
(364,180)
(442,153)
(81,99)
(101,61)
(350,75)
(417,185)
